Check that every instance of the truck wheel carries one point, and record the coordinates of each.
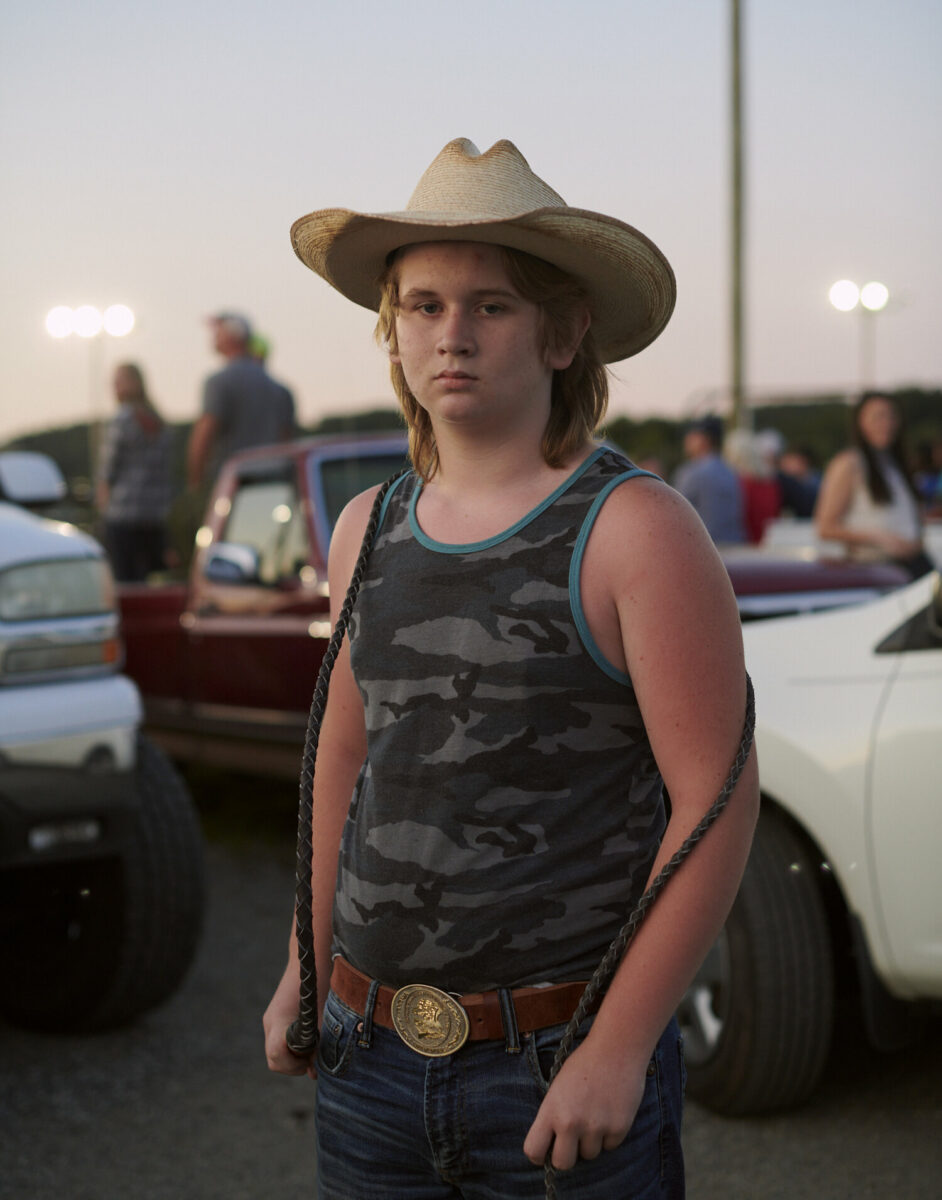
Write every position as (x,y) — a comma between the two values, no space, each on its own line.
(758,1018)
(99,942)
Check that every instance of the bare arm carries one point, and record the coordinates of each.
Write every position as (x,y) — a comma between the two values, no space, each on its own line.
(341,751)
(669,597)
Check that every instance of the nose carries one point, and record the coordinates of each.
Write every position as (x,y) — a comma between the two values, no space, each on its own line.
(456,336)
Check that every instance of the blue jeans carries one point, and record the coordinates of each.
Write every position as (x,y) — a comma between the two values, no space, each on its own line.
(393,1125)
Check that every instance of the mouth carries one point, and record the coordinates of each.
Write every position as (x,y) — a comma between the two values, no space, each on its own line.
(454,375)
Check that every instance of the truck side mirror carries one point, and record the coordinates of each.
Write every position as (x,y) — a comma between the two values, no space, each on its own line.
(228,562)
(28,478)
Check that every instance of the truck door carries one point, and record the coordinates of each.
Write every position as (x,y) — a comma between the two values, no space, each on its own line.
(256,643)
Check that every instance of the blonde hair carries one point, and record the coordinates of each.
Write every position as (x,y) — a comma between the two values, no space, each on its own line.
(579,395)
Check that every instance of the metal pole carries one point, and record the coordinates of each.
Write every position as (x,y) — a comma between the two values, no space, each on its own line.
(740,413)
(95,388)
(868,350)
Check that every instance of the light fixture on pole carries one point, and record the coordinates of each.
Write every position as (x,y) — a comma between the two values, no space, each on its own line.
(871,299)
(88,322)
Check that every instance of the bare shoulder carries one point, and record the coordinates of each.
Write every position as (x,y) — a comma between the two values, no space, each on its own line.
(647,532)
(845,464)
(348,533)
(654,590)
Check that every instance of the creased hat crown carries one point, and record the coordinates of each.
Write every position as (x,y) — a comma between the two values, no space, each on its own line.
(463,182)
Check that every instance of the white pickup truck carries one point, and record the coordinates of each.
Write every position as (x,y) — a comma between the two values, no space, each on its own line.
(101,864)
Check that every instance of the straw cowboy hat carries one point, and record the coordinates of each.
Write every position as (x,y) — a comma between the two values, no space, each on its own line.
(495,197)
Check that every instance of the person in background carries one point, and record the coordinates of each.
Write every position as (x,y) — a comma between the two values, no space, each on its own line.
(710,484)
(868,499)
(925,473)
(934,505)
(260,349)
(799,480)
(242,405)
(133,480)
(761,491)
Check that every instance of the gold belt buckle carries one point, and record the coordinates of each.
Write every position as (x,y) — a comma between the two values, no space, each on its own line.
(429,1021)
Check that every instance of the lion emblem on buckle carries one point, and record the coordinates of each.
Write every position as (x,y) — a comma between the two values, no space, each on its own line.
(429,1021)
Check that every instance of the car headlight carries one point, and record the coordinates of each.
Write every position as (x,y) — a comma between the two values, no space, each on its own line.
(71,587)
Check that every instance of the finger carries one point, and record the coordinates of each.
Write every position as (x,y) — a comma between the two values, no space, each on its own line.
(565,1151)
(537,1143)
(612,1141)
(281,1059)
(590,1145)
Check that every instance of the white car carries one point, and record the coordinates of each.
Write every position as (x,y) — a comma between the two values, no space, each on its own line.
(844,881)
(101,871)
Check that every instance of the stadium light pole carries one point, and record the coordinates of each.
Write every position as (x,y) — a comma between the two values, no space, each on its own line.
(871,299)
(737,304)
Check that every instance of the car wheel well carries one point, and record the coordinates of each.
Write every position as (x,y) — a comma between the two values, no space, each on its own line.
(832,894)
(863,1006)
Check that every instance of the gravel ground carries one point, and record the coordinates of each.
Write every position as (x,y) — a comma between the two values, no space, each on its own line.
(181,1107)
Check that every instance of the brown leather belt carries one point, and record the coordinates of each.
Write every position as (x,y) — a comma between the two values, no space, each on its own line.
(535,1007)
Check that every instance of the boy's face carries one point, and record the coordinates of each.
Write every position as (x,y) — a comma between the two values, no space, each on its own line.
(469,345)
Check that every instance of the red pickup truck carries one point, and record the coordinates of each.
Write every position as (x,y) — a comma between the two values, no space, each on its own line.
(227,662)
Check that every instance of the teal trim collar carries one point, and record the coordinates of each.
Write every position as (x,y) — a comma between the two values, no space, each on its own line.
(473,547)
(575,571)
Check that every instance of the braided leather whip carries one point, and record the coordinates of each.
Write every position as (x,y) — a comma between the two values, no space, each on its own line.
(302,1035)
(605,971)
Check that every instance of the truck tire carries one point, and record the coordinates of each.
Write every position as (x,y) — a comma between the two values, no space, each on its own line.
(758,1019)
(97,943)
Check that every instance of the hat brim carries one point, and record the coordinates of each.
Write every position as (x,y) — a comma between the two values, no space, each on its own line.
(629,282)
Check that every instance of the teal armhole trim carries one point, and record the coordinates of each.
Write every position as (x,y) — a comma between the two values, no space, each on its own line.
(387,498)
(472,547)
(575,570)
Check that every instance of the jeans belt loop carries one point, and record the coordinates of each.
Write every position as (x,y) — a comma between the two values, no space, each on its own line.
(508,1015)
(366,1033)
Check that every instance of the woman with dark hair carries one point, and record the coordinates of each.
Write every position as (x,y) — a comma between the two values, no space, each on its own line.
(868,499)
(133,490)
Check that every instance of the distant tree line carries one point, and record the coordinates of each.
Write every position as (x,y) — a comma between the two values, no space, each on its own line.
(820,424)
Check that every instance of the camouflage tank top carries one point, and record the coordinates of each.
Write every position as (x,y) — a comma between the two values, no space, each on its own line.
(509,809)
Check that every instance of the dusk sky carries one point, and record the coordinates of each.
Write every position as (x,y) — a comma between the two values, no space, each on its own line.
(156,155)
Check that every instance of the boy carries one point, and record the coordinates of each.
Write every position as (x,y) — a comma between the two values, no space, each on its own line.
(543,639)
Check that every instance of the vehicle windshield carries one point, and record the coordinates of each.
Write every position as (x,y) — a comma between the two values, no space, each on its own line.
(344,478)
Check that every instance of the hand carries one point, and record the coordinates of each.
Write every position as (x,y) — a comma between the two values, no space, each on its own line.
(278,1016)
(896,546)
(590,1107)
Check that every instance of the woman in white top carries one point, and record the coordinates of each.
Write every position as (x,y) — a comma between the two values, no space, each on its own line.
(868,499)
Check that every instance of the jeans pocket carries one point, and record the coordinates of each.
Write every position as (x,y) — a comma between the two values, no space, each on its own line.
(541,1047)
(338,1036)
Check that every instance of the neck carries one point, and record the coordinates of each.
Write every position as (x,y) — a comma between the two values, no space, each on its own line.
(477,457)
(484,489)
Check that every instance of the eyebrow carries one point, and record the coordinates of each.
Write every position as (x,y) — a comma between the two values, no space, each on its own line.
(417,293)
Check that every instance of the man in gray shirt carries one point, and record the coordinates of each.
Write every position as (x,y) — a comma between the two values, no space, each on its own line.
(710,484)
(242,405)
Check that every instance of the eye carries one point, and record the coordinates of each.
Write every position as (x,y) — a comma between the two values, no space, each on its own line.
(429,307)
(491,308)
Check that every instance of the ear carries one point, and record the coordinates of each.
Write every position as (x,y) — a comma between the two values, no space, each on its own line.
(560,356)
